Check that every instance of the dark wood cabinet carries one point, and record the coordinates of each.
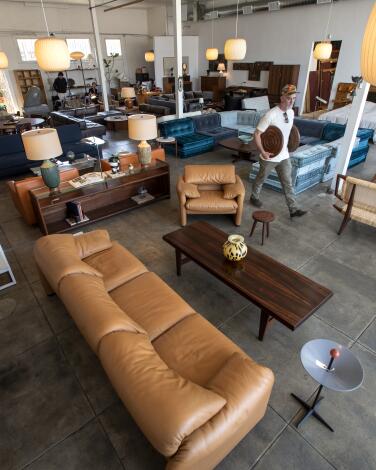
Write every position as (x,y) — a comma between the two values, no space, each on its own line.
(280,75)
(215,84)
(169,84)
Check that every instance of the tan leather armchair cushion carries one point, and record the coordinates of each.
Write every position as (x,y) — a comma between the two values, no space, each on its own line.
(232,191)
(93,310)
(57,257)
(187,189)
(212,201)
(21,196)
(209,174)
(165,406)
(92,242)
(132,158)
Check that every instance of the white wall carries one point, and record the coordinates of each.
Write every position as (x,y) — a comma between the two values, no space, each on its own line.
(18,20)
(287,36)
(164,47)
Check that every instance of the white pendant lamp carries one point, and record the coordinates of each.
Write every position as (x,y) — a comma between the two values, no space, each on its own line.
(52,53)
(235,48)
(368,57)
(212,52)
(323,50)
(3,60)
(149,56)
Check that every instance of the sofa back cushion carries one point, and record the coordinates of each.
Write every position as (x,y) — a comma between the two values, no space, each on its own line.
(310,127)
(166,406)
(228,118)
(10,144)
(333,131)
(257,103)
(177,127)
(209,174)
(69,133)
(207,121)
(248,118)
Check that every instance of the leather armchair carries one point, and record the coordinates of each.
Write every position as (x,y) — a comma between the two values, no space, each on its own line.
(192,391)
(132,158)
(19,191)
(210,189)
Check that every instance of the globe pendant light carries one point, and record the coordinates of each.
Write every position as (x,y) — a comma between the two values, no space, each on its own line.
(235,48)
(3,60)
(368,57)
(149,56)
(52,53)
(212,52)
(323,50)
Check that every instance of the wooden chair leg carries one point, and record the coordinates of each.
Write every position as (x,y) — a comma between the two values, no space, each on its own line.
(253,228)
(267,229)
(263,233)
(345,221)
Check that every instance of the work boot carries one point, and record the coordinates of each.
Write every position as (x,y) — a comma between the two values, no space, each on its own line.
(255,202)
(297,213)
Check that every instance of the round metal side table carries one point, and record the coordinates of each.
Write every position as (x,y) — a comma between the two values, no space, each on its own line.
(333,366)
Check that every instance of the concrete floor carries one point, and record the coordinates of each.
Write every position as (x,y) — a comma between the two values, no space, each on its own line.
(57,408)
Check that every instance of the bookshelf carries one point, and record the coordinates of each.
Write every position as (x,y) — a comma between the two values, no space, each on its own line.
(27,78)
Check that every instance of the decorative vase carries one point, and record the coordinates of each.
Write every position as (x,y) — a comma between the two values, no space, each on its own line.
(234,249)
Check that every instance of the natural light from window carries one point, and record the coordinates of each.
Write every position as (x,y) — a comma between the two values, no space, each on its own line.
(81,44)
(26,48)
(113,46)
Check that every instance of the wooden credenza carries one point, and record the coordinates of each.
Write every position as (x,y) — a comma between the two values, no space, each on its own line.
(215,84)
(279,76)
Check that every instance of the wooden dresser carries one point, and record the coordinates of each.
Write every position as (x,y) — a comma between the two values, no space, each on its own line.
(215,84)
(279,76)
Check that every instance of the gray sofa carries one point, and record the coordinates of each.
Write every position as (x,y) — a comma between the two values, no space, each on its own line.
(244,122)
(211,126)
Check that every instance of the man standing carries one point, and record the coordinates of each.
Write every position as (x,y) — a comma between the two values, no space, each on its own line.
(282,116)
(60,86)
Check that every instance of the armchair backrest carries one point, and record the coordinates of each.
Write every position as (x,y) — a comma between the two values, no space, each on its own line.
(365,193)
(209,176)
(177,127)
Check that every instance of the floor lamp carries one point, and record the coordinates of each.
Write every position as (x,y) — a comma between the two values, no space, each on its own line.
(78,55)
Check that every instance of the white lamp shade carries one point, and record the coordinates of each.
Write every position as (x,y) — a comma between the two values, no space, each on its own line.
(77,55)
(323,51)
(128,92)
(41,144)
(201,100)
(368,56)
(52,54)
(221,67)
(142,127)
(211,53)
(149,56)
(235,49)
(3,60)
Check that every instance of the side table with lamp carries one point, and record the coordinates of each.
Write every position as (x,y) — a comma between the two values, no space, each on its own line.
(44,144)
(129,94)
(143,127)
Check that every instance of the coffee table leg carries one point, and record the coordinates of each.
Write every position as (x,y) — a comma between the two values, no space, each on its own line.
(178,261)
(265,319)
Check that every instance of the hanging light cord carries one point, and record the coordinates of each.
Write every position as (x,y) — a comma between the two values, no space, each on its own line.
(237,16)
(45,18)
(329,18)
(213,26)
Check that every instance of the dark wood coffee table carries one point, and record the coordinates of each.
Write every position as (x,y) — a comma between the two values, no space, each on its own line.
(244,151)
(280,292)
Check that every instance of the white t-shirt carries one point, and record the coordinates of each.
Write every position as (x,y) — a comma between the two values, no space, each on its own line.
(275,117)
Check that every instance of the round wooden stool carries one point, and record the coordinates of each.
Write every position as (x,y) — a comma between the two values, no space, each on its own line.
(265,217)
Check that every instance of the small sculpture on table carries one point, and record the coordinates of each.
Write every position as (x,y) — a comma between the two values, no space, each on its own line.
(114,163)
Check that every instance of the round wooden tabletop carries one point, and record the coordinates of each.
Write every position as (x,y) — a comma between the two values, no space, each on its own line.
(263,216)
(272,140)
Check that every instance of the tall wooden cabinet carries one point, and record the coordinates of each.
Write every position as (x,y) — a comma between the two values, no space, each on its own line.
(279,76)
(27,78)
(215,84)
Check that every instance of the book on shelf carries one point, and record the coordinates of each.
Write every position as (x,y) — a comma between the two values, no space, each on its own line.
(75,213)
(142,198)
(86,179)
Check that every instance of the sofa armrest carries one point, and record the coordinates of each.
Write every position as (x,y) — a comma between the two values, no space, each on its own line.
(187,189)
(231,191)
(166,406)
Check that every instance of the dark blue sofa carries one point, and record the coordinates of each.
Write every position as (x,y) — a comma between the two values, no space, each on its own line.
(314,132)
(13,160)
(210,125)
(189,142)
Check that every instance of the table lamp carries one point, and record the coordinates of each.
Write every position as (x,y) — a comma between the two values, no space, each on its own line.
(143,127)
(128,93)
(44,144)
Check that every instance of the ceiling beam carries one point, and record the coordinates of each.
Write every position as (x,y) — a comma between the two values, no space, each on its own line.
(123,5)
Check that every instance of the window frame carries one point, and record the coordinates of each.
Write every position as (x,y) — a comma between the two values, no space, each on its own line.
(113,39)
(21,52)
(74,48)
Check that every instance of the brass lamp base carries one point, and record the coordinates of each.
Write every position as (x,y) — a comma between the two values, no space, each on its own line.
(129,104)
(144,153)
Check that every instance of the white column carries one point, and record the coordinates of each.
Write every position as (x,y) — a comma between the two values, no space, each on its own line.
(98,46)
(179,95)
(352,126)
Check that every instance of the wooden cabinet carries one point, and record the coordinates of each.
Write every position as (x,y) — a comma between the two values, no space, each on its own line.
(215,84)
(343,94)
(27,78)
(279,76)
(169,84)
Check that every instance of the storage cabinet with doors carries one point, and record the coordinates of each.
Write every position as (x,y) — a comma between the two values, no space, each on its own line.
(215,84)
(279,76)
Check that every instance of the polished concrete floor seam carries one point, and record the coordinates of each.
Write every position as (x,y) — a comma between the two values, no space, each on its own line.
(268,447)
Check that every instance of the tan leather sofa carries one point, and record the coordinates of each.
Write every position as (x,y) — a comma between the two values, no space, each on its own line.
(20,192)
(210,189)
(132,158)
(192,391)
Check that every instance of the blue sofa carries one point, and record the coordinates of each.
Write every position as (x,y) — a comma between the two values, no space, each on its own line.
(188,140)
(210,125)
(13,160)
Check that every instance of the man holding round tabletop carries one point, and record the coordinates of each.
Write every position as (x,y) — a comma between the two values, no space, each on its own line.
(281,116)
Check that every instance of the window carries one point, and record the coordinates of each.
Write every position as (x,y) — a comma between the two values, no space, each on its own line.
(113,46)
(26,47)
(81,44)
